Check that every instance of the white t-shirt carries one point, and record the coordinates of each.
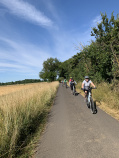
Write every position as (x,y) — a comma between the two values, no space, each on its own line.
(87,84)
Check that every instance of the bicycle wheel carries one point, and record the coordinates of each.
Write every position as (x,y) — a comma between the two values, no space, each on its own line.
(92,106)
(66,85)
(87,103)
(73,90)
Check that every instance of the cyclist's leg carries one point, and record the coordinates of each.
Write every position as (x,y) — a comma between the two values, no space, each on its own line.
(88,100)
(73,90)
(86,93)
(75,87)
(71,86)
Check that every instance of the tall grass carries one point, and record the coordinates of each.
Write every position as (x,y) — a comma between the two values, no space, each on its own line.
(108,94)
(21,113)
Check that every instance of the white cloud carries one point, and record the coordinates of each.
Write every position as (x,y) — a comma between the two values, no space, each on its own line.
(52,9)
(96,20)
(23,57)
(5,65)
(27,11)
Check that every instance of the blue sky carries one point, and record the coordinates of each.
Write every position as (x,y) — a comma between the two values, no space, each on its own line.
(31,31)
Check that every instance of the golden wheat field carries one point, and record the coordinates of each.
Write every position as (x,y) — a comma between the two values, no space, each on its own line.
(15,88)
(21,107)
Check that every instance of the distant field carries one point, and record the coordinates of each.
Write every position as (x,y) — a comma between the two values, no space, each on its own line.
(14,88)
(22,110)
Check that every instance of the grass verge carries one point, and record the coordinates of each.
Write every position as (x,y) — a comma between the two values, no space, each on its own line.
(22,113)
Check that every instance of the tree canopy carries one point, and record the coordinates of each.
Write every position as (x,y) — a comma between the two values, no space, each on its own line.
(50,69)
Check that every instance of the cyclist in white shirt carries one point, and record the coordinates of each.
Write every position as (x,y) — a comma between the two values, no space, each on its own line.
(86,85)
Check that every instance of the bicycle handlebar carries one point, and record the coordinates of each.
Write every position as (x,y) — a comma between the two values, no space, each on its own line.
(93,87)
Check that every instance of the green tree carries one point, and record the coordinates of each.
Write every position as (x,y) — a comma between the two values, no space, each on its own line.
(50,69)
(103,35)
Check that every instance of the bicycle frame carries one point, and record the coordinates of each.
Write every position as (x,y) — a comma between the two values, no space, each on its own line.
(90,103)
(73,89)
(89,96)
(66,84)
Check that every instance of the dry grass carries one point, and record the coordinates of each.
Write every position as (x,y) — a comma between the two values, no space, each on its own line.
(106,97)
(21,110)
(106,94)
(15,88)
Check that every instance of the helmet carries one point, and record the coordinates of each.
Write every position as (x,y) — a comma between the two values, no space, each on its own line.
(86,77)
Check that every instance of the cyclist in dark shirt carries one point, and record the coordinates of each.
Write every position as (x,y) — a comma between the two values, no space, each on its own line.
(73,83)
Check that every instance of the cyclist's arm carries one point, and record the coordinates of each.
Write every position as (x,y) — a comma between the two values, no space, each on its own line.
(82,85)
(92,84)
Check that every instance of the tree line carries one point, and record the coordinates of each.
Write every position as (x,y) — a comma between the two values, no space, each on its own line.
(99,60)
(21,82)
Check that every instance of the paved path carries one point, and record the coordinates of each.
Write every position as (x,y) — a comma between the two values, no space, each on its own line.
(73,132)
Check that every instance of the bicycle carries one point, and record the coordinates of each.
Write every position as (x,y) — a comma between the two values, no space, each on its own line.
(66,84)
(73,89)
(62,83)
(90,102)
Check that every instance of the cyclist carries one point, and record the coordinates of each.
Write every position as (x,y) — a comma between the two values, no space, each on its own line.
(65,82)
(72,83)
(62,82)
(86,84)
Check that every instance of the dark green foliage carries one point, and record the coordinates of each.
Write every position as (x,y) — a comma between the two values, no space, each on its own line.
(21,82)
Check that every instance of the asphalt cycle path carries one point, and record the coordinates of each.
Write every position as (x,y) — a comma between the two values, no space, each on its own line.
(73,131)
